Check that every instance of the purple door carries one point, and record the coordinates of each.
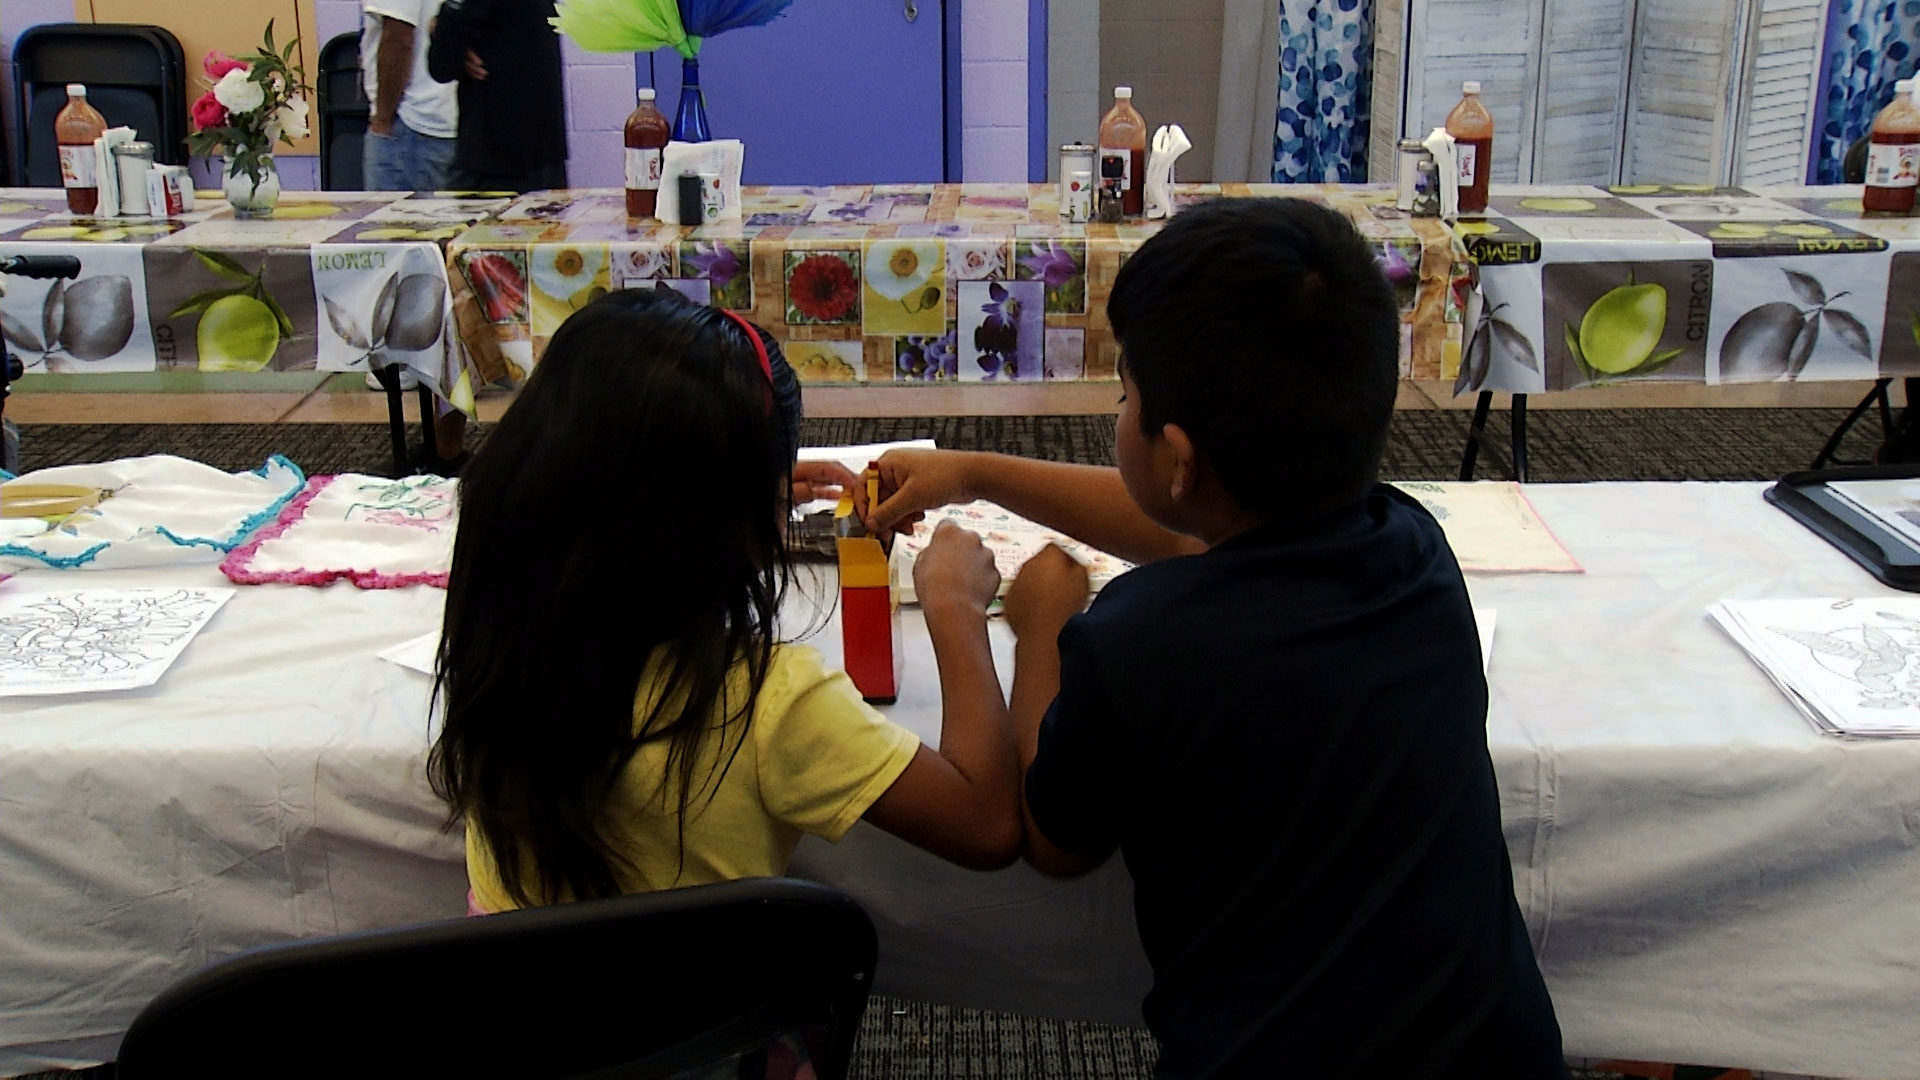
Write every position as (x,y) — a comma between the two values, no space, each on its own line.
(832,92)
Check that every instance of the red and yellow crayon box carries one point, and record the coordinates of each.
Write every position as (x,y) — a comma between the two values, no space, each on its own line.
(869,604)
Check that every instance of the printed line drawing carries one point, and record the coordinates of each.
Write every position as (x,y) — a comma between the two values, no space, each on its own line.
(1878,664)
(99,639)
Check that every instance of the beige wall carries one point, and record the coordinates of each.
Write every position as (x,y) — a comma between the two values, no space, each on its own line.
(1169,52)
(232,26)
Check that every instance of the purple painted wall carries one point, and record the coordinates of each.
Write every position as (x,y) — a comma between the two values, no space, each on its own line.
(995,96)
(993,90)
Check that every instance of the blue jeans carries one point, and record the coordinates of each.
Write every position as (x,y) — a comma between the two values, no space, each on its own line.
(405,160)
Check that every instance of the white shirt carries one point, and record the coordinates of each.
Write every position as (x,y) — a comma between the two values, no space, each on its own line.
(428,107)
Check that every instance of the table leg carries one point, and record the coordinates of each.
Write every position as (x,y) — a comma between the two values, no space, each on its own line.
(389,377)
(1474,431)
(1520,437)
(1876,395)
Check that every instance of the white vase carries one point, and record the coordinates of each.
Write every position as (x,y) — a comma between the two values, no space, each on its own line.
(250,199)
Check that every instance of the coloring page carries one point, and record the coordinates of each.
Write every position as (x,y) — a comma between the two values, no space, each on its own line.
(97,639)
(1854,663)
(1012,539)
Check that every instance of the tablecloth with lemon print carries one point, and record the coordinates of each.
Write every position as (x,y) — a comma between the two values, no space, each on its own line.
(901,283)
(1584,286)
(329,281)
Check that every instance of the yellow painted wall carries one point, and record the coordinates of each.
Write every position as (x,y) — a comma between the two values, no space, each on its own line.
(232,26)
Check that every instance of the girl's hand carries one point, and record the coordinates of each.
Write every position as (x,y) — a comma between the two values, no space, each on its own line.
(915,481)
(827,480)
(1052,588)
(955,571)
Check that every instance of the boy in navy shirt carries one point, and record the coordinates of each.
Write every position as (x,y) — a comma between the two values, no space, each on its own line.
(1278,719)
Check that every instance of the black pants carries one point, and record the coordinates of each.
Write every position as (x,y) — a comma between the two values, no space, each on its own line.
(542,178)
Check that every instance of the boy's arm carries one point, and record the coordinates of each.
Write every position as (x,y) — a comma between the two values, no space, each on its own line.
(1051,589)
(1087,502)
(962,803)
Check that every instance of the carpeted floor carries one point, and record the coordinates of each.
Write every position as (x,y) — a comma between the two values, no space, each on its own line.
(1568,445)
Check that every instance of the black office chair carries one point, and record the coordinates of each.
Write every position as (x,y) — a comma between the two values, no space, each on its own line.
(135,75)
(639,986)
(344,112)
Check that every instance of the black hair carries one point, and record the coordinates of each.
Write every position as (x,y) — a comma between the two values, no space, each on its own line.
(578,562)
(1265,329)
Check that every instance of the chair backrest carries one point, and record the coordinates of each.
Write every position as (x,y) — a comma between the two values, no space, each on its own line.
(638,986)
(343,113)
(1853,168)
(135,75)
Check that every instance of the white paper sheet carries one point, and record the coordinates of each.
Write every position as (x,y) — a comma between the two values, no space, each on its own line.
(1492,528)
(1893,503)
(97,639)
(1852,667)
(415,654)
(1483,619)
(1012,539)
(855,458)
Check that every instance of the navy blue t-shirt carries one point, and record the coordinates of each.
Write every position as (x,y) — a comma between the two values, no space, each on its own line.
(1286,739)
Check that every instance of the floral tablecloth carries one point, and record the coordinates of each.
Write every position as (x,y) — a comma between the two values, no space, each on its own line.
(905,283)
(329,281)
(1583,286)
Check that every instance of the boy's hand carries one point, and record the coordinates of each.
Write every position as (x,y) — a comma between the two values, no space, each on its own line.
(915,481)
(955,569)
(1052,588)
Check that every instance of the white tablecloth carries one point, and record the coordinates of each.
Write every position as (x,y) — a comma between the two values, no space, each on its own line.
(1706,879)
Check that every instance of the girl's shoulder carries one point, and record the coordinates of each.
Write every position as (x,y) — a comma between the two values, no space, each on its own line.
(792,672)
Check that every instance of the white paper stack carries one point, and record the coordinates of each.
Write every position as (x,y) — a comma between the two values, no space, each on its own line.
(1895,504)
(1852,667)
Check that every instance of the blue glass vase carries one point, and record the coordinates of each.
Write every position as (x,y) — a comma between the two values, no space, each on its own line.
(690,120)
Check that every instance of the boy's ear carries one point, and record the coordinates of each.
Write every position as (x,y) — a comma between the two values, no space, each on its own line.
(1183,472)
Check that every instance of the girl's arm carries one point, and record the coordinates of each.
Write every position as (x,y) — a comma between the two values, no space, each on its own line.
(963,802)
(1087,502)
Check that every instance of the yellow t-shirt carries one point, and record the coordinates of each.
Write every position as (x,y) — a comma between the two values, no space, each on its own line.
(814,758)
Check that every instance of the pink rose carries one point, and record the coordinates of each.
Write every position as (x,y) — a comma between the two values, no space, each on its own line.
(218,63)
(208,112)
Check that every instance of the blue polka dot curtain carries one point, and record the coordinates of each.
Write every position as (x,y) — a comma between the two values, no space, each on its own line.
(1326,76)
(1870,43)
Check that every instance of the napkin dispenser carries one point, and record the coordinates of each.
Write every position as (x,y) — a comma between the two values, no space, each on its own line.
(1446,159)
(1169,142)
(717,164)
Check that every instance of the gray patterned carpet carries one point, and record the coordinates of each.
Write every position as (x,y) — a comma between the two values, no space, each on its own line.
(1571,445)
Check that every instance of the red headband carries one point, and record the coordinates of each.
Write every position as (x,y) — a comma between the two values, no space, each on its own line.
(759,347)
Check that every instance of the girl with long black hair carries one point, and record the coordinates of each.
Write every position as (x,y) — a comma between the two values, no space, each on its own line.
(621,715)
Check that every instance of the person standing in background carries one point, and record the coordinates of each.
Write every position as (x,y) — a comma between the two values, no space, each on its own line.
(505,56)
(410,136)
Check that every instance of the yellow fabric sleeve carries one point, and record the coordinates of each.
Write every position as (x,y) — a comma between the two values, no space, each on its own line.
(824,755)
